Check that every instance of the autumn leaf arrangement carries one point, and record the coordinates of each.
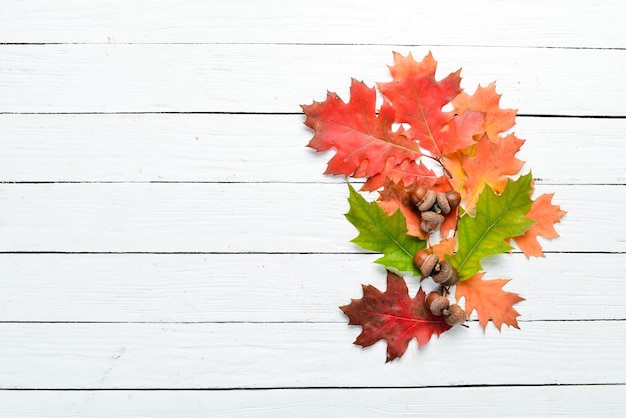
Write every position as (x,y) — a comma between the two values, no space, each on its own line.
(449,193)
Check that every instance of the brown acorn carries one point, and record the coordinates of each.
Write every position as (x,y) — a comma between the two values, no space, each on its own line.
(453,198)
(442,203)
(454,315)
(453,279)
(431,297)
(438,305)
(427,202)
(425,261)
(431,221)
(447,275)
(416,194)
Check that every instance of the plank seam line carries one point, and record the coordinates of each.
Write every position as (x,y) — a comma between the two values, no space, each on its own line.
(329,182)
(50,252)
(334,44)
(527,321)
(239,113)
(476,386)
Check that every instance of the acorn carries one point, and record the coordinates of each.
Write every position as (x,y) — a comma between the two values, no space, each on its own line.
(416,194)
(427,202)
(431,221)
(446,274)
(454,315)
(442,203)
(425,261)
(453,198)
(438,305)
(431,297)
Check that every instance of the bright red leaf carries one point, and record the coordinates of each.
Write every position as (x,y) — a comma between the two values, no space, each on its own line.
(407,172)
(393,316)
(366,144)
(489,300)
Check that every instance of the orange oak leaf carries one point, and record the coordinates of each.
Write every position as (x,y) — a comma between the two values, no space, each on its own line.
(366,144)
(545,215)
(486,100)
(492,164)
(393,316)
(449,223)
(444,247)
(453,164)
(489,300)
(418,99)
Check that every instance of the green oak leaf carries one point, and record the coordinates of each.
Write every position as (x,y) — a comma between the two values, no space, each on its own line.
(384,234)
(498,217)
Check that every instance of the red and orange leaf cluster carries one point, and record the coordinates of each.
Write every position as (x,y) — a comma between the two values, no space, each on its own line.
(410,142)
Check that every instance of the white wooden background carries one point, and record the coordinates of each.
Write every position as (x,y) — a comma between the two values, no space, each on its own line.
(169,247)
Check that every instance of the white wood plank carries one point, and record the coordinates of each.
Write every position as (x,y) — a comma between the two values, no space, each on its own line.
(246,217)
(536,401)
(245,355)
(274,288)
(223,148)
(278,78)
(484,22)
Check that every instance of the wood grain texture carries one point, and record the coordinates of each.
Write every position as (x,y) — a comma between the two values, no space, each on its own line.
(270,355)
(241,217)
(275,287)
(277,78)
(483,22)
(205,255)
(536,401)
(242,148)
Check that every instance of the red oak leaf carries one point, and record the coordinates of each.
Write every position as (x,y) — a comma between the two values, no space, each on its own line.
(545,215)
(408,171)
(366,144)
(492,164)
(418,99)
(393,316)
(489,300)
(395,196)
(486,100)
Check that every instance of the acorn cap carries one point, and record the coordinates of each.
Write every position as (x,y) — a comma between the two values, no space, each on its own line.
(442,202)
(431,221)
(431,298)
(453,279)
(429,264)
(439,304)
(454,315)
(427,201)
(445,273)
